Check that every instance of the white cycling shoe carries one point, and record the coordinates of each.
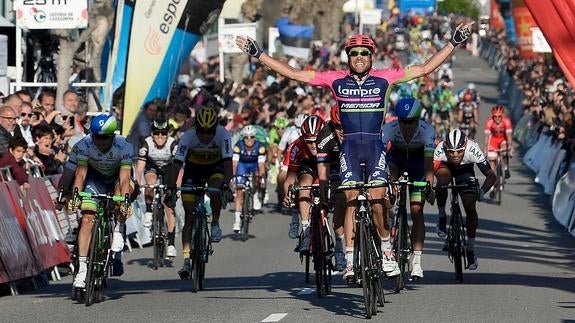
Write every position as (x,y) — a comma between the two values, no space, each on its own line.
(80,279)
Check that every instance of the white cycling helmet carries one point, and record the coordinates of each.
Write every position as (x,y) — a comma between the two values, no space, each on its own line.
(471,86)
(299,119)
(248,131)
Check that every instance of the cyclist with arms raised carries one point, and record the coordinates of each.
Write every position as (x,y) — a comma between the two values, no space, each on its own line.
(103,165)
(412,143)
(454,157)
(205,154)
(498,132)
(249,157)
(154,157)
(361,94)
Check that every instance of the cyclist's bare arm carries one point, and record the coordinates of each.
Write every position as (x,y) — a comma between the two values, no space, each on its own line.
(286,70)
(125,174)
(140,166)
(276,65)
(80,177)
(431,64)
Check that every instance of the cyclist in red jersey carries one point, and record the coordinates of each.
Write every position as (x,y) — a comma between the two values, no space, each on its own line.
(498,131)
(361,94)
(300,164)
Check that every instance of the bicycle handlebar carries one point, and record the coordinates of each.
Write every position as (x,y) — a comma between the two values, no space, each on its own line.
(115,198)
(358,186)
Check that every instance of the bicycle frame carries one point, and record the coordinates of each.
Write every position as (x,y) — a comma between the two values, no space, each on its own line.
(456,240)
(200,239)
(159,231)
(402,241)
(99,252)
(321,242)
(248,211)
(368,256)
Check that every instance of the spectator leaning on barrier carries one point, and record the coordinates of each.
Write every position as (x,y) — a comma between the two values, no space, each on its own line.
(15,159)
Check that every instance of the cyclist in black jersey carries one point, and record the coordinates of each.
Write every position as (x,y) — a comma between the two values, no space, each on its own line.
(154,157)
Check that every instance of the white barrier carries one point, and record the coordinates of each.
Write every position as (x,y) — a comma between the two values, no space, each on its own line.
(564,200)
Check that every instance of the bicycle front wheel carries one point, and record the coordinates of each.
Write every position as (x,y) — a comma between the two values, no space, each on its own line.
(457,248)
(500,179)
(92,264)
(246,215)
(400,245)
(364,264)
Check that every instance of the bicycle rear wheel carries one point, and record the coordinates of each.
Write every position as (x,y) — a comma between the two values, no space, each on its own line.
(92,260)
(196,253)
(158,238)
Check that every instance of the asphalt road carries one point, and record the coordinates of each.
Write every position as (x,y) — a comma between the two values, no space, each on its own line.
(526,270)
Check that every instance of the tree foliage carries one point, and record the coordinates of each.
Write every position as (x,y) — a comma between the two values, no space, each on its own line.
(461,7)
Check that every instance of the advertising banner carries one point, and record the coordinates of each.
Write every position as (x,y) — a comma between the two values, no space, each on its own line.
(54,14)
(15,253)
(523,24)
(163,34)
(43,230)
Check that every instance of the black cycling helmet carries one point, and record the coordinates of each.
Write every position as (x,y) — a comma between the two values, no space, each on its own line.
(455,140)
(160,124)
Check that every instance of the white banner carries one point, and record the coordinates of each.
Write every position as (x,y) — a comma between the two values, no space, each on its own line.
(227,35)
(273,35)
(370,17)
(540,44)
(51,14)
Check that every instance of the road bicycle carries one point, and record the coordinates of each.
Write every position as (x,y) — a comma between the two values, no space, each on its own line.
(159,229)
(456,240)
(402,247)
(368,257)
(322,246)
(201,241)
(99,259)
(499,186)
(248,212)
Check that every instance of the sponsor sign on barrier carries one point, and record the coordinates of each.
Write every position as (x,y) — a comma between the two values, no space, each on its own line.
(15,253)
(43,229)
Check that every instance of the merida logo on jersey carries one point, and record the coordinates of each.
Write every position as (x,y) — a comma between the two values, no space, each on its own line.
(371,105)
(358,92)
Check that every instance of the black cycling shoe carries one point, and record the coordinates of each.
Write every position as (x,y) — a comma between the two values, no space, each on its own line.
(507,174)
(117,268)
(472,262)
(184,273)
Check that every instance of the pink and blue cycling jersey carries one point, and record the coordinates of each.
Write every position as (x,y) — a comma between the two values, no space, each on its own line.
(362,106)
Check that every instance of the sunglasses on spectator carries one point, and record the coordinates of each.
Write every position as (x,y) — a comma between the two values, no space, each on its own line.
(26,114)
(160,133)
(250,137)
(354,53)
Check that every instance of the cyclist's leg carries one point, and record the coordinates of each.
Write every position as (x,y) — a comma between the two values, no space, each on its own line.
(150,177)
(305,177)
(191,177)
(349,175)
(504,149)
(379,201)
(119,237)
(443,175)
(416,168)
(170,218)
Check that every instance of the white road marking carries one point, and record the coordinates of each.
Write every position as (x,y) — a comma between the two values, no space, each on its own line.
(306,291)
(275,317)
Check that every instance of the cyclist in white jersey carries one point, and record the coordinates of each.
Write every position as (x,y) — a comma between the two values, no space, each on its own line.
(154,156)
(412,143)
(454,158)
(103,165)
